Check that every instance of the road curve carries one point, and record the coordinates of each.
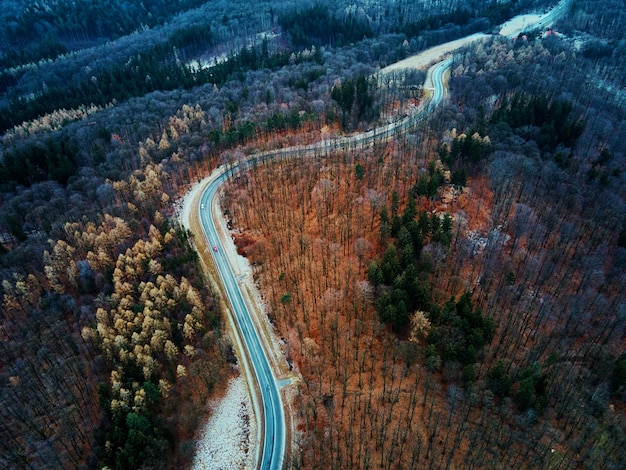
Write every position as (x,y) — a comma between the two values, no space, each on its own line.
(274,432)
(526,23)
(272,453)
(273,437)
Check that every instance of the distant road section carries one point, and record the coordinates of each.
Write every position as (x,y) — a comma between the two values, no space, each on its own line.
(522,23)
(510,29)
(428,56)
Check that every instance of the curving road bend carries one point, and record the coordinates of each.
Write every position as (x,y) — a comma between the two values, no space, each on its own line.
(272,407)
(271,455)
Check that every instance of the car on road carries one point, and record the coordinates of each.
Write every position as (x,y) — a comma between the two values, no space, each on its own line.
(215,248)
(201,206)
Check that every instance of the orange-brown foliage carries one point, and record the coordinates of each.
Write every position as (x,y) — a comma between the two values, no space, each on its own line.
(311,227)
(357,406)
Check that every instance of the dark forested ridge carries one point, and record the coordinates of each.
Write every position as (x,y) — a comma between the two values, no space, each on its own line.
(479,260)
(60,25)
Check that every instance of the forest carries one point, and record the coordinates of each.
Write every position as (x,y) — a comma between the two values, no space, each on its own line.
(453,297)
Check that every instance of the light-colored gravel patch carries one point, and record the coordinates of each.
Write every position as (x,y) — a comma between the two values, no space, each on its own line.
(519,24)
(429,56)
(228,439)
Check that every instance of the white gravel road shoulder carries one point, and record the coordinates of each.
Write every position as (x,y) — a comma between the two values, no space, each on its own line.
(227,441)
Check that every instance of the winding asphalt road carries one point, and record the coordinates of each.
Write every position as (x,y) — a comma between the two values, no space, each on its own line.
(274,430)
(274,419)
